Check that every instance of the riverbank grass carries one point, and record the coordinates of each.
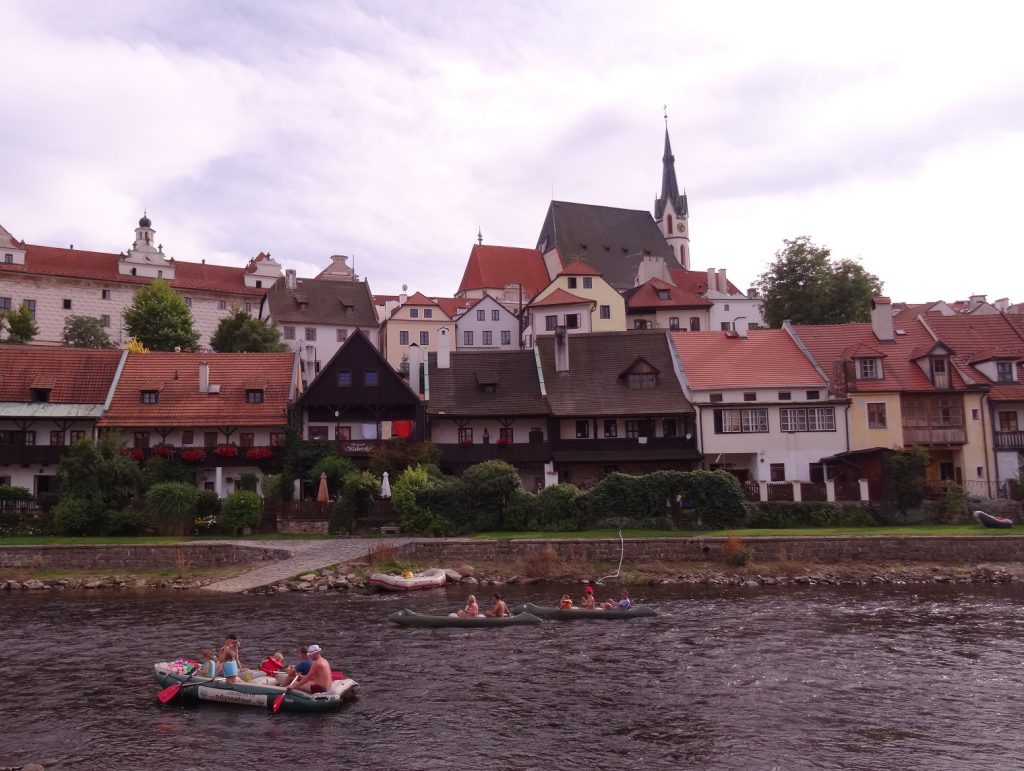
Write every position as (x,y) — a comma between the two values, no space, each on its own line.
(887,531)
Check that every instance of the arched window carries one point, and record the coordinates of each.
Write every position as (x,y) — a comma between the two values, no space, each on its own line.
(669,231)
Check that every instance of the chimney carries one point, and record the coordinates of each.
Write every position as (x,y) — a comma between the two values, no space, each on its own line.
(975,300)
(723,283)
(310,364)
(289,278)
(711,279)
(403,298)
(414,368)
(444,351)
(881,319)
(204,377)
(561,350)
(740,325)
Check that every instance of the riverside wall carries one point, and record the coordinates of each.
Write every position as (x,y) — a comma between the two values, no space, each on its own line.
(823,549)
(129,557)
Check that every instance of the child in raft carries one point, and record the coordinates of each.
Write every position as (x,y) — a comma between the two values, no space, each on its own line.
(565,603)
(272,663)
(209,666)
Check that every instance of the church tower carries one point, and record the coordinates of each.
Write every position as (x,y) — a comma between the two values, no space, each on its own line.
(670,209)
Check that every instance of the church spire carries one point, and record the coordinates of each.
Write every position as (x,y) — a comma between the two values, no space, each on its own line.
(670,209)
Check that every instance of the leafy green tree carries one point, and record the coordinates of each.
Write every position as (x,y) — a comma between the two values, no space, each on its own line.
(21,329)
(806,286)
(490,485)
(96,483)
(173,506)
(409,497)
(904,476)
(360,491)
(85,332)
(159,319)
(337,468)
(238,332)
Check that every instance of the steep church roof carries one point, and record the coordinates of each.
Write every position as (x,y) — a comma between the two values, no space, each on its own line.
(669,185)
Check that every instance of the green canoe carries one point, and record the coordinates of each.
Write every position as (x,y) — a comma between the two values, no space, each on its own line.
(407,617)
(260,692)
(579,614)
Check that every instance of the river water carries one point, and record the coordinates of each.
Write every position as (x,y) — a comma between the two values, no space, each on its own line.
(879,677)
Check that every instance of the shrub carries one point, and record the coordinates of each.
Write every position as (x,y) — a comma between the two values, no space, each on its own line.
(786,514)
(955,502)
(11,493)
(559,508)
(249,481)
(74,516)
(336,468)
(101,481)
(399,454)
(447,499)
(240,510)
(359,491)
(490,486)
(271,486)
(160,468)
(522,510)
(173,507)
(734,552)
(409,495)
(904,473)
(131,520)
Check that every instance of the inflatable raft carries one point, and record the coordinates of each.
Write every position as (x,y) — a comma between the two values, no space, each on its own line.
(991,520)
(427,579)
(259,692)
(410,618)
(579,614)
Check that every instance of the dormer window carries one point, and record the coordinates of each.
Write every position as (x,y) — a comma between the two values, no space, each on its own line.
(428,313)
(588,282)
(572,282)
(662,294)
(254,395)
(1005,372)
(41,394)
(641,380)
(414,313)
(869,369)
(940,372)
(149,397)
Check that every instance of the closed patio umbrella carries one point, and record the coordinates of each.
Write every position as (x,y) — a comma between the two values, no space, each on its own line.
(385,486)
(322,494)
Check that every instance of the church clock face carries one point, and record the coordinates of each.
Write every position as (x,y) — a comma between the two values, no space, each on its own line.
(681,227)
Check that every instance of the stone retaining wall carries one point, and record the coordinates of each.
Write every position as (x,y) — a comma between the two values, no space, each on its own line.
(129,557)
(823,549)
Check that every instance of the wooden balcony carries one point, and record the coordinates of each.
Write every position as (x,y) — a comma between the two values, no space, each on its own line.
(625,450)
(266,457)
(1009,440)
(31,454)
(935,435)
(518,454)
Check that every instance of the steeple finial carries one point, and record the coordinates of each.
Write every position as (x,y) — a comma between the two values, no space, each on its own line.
(479,236)
(664,108)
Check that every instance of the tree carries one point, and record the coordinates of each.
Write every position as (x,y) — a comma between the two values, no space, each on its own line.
(904,472)
(238,332)
(805,286)
(85,332)
(96,485)
(159,318)
(20,326)
(490,485)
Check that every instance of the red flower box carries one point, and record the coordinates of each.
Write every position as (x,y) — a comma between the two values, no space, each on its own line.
(135,453)
(466,442)
(193,456)
(164,451)
(259,453)
(504,440)
(227,451)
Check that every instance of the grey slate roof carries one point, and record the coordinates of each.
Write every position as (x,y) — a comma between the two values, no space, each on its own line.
(459,389)
(596,382)
(614,241)
(339,303)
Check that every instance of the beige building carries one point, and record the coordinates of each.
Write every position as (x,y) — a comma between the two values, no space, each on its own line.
(417,319)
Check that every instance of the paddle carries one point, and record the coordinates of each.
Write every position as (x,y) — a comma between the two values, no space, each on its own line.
(280,699)
(171,691)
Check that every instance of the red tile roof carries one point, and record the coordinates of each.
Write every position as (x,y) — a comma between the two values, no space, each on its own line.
(419,298)
(495,267)
(453,306)
(696,281)
(579,268)
(182,404)
(980,338)
(646,296)
(75,375)
(101,266)
(767,358)
(560,297)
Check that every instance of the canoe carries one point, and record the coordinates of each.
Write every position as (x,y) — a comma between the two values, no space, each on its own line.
(579,614)
(427,579)
(258,692)
(990,520)
(407,617)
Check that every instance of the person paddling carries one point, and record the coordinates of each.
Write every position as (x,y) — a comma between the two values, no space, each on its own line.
(500,608)
(319,678)
(588,599)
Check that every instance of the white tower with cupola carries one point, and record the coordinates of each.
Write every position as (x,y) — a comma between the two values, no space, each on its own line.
(670,209)
(146,258)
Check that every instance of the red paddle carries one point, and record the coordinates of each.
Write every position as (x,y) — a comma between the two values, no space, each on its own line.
(169,692)
(279,701)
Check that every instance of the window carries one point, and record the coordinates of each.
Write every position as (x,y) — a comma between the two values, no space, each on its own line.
(56,438)
(582,429)
(403,337)
(29,438)
(5,303)
(694,324)
(289,333)
(641,379)
(606,311)
(640,324)
(222,305)
(188,301)
(813,395)
(750,396)
(611,429)
(344,378)
(632,429)
(876,415)
(209,439)
(975,414)
(467,338)
(673,323)
(40,394)
(663,294)
(424,338)
(868,369)
(1008,421)
(572,282)
(725,307)
(105,320)
(741,421)
(276,440)
(75,436)
(67,304)
(318,433)
(550,322)
(668,427)
(150,397)
(9,258)
(588,282)
(505,435)
(414,313)
(187,437)
(370,377)
(259,284)
(135,272)
(495,315)
(777,472)
(159,274)
(807,419)
(311,333)
(343,433)
(465,436)
(140,439)
(248,308)
(572,320)
(487,335)
(246,440)
(506,337)
(428,313)
(1004,371)
(254,395)
(31,308)
(715,398)
(481,315)
(342,334)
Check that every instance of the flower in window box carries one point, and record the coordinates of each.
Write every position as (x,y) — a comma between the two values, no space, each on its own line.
(258,453)
(164,451)
(135,453)
(466,442)
(193,456)
(226,451)
(504,440)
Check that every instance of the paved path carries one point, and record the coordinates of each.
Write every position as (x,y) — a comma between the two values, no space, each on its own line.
(306,556)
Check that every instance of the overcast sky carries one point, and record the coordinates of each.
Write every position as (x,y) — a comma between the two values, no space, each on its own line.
(891,132)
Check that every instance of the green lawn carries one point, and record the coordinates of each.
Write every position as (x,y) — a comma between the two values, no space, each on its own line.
(61,540)
(944,530)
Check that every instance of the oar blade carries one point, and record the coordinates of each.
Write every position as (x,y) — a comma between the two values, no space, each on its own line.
(279,701)
(169,693)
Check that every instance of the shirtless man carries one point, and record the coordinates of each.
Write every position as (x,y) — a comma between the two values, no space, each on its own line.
(588,599)
(319,678)
(499,609)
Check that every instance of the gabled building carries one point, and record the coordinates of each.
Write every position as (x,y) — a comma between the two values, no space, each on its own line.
(511,275)
(657,304)
(559,308)
(487,325)
(58,282)
(575,286)
(49,399)
(415,319)
(224,414)
(617,404)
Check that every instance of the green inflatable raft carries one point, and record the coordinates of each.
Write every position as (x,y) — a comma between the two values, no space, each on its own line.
(407,617)
(581,614)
